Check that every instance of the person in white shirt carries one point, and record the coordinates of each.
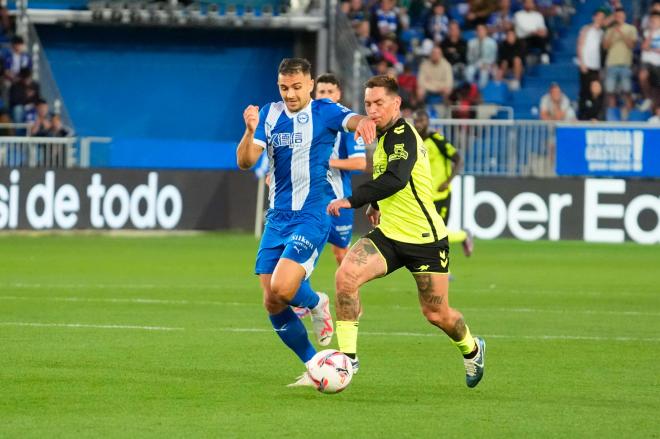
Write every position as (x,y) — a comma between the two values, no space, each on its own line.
(481,57)
(531,30)
(649,73)
(588,52)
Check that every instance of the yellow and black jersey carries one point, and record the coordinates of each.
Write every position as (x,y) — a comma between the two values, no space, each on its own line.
(402,188)
(442,156)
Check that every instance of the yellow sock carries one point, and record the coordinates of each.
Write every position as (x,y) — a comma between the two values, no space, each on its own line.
(347,333)
(466,345)
(457,236)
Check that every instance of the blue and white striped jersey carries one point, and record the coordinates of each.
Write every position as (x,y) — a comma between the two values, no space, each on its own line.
(345,147)
(299,147)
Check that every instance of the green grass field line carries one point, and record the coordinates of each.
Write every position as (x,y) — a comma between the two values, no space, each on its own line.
(165,336)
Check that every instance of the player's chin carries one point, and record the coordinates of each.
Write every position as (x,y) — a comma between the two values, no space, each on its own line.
(292,106)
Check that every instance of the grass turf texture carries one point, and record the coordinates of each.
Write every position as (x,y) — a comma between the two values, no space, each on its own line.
(573,332)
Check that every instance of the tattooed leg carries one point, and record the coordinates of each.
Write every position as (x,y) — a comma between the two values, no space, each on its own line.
(433,291)
(361,264)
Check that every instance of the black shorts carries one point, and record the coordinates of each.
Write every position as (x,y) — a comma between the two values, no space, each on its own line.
(442,207)
(417,258)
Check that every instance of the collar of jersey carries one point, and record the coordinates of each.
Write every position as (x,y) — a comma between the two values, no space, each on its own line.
(290,114)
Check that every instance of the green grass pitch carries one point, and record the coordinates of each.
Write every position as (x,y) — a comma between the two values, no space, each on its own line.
(165,337)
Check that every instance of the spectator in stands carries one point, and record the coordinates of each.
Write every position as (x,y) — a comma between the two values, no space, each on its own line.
(5,21)
(481,57)
(555,105)
(356,11)
(501,21)
(655,7)
(592,104)
(649,73)
(385,20)
(454,49)
(479,11)
(655,119)
(531,30)
(57,128)
(41,125)
(437,25)
(389,52)
(619,41)
(435,77)
(408,87)
(588,52)
(367,44)
(21,93)
(510,60)
(465,98)
(16,59)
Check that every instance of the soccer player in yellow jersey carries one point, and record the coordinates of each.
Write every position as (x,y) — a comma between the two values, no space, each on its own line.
(445,164)
(408,231)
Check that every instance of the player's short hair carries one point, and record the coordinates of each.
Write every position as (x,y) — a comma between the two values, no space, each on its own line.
(419,113)
(329,78)
(388,83)
(291,66)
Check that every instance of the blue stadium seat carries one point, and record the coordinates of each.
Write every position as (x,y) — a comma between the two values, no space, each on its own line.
(495,93)
(613,115)
(639,116)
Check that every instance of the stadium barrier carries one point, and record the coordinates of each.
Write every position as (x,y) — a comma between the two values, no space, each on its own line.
(502,147)
(38,152)
(595,210)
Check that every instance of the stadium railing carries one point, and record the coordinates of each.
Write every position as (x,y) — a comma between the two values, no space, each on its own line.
(37,152)
(502,147)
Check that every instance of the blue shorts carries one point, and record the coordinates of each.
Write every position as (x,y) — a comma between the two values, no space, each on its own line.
(618,78)
(341,230)
(299,236)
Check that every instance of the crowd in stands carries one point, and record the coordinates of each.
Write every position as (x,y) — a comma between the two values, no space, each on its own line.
(444,54)
(21,98)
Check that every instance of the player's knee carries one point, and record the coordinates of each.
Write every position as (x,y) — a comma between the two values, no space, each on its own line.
(438,317)
(281,293)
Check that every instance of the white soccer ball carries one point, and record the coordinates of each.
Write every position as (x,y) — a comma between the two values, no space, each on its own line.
(331,371)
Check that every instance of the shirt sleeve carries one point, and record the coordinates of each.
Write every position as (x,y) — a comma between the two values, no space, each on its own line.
(354,148)
(260,136)
(336,116)
(445,148)
(401,150)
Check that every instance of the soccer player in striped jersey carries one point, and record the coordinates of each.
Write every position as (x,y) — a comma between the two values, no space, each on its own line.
(408,231)
(298,134)
(348,156)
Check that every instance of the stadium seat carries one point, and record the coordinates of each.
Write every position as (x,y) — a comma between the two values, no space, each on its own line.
(639,116)
(495,92)
(613,115)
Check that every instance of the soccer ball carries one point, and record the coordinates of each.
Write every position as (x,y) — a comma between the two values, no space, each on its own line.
(331,371)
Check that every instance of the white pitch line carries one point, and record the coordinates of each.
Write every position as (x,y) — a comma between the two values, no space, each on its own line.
(147,301)
(367,333)
(84,325)
(436,334)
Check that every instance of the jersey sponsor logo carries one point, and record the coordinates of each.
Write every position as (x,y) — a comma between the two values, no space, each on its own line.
(399,129)
(343,109)
(286,139)
(302,118)
(399,153)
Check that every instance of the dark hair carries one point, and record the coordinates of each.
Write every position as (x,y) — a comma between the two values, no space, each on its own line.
(17,40)
(420,112)
(291,66)
(620,9)
(655,14)
(329,78)
(389,84)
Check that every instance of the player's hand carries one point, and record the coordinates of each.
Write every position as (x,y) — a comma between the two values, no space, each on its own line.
(251,117)
(373,215)
(335,206)
(366,129)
